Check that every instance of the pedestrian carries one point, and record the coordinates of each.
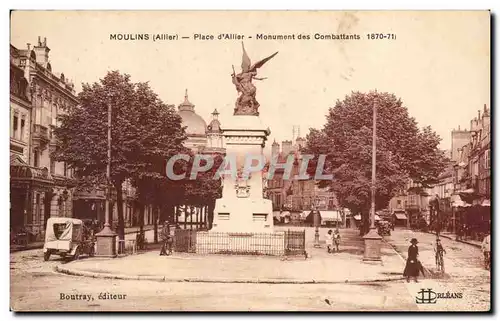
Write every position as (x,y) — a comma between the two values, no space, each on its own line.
(164,235)
(438,252)
(485,246)
(336,238)
(329,241)
(412,267)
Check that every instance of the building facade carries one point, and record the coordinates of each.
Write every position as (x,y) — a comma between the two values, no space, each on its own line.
(40,186)
(472,180)
(296,195)
(463,189)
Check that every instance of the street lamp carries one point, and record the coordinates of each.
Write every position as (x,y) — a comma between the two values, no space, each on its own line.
(316,222)
(372,238)
(106,239)
(437,210)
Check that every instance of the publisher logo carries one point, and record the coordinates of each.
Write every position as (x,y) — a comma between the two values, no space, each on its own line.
(427,296)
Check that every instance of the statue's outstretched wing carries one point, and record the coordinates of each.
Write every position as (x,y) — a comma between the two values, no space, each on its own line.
(261,63)
(245,61)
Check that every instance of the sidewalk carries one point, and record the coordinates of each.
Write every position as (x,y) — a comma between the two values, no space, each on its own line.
(39,245)
(321,267)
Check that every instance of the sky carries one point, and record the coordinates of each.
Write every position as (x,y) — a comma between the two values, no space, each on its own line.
(439,63)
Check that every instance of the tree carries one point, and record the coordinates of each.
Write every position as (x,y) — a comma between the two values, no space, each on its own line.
(206,188)
(403,150)
(145,134)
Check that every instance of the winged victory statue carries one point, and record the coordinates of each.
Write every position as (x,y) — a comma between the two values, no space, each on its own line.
(246,104)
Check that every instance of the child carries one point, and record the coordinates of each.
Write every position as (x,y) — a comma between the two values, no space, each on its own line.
(329,241)
(336,238)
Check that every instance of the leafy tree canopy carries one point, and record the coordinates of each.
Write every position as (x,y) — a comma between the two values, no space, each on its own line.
(403,150)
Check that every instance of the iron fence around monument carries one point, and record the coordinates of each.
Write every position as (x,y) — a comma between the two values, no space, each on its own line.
(283,243)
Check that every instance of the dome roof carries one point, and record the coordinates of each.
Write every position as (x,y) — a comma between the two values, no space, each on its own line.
(195,124)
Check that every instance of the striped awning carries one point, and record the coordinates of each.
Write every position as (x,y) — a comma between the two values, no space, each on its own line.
(330,216)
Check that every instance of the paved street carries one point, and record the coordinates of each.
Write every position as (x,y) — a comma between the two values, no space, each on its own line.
(35,286)
(463,266)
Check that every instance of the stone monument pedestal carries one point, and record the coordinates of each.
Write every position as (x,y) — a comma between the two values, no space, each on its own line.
(106,242)
(242,207)
(243,218)
(372,246)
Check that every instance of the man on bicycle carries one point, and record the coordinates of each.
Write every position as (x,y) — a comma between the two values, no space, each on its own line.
(165,240)
(439,250)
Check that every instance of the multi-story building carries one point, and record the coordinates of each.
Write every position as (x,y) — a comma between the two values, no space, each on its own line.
(472,177)
(296,195)
(443,192)
(40,187)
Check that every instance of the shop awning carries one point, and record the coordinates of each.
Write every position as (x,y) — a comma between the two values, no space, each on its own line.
(400,216)
(331,216)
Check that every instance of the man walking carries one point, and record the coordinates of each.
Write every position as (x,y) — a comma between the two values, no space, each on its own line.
(485,246)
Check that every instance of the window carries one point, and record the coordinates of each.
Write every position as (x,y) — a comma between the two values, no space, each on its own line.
(399,202)
(36,158)
(36,212)
(14,123)
(52,166)
(487,161)
(23,121)
(65,169)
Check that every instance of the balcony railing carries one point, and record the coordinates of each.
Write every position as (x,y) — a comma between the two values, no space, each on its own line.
(40,135)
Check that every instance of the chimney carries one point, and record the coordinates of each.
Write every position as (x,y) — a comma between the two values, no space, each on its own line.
(479,114)
(42,52)
(458,127)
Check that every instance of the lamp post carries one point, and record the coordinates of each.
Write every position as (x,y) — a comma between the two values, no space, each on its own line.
(316,222)
(436,210)
(372,238)
(106,239)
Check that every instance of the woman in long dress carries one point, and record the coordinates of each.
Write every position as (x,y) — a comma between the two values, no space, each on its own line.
(412,267)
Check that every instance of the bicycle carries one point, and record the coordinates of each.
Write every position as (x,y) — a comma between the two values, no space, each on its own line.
(440,261)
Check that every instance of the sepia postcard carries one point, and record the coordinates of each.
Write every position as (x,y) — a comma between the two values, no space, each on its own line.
(331,161)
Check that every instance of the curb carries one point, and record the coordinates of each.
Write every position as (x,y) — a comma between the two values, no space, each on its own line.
(160,278)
